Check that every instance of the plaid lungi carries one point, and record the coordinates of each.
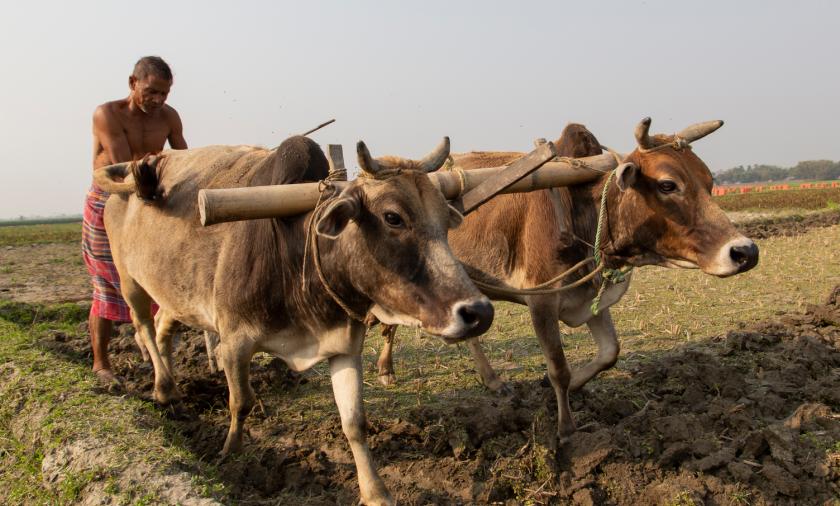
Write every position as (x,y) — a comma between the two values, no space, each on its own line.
(107,298)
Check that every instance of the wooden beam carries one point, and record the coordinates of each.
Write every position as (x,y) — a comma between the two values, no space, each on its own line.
(498,182)
(335,157)
(281,201)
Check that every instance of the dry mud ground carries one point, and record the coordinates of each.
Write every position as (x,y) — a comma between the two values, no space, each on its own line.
(751,416)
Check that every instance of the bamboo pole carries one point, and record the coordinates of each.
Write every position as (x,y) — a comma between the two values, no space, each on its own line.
(282,201)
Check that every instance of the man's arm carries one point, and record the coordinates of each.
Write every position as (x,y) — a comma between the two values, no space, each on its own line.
(110,135)
(176,132)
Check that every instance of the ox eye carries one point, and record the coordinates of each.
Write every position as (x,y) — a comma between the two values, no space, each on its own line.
(393,220)
(667,186)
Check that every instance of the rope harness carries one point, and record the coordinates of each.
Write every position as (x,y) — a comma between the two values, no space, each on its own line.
(608,275)
(312,242)
(678,144)
(449,165)
(312,236)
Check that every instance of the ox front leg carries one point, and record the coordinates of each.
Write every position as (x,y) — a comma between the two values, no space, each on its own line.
(544,315)
(385,364)
(346,373)
(236,356)
(603,331)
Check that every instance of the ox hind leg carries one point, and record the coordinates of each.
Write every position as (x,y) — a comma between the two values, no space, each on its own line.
(385,364)
(141,315)
(603,331)
(544,315)
(165,327)
(235,353)
(211,343)
(488,375)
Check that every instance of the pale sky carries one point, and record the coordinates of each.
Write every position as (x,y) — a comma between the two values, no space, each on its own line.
(399,75)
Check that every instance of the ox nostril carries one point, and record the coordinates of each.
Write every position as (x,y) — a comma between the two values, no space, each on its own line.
(476,316)
(746,256)
(467,315)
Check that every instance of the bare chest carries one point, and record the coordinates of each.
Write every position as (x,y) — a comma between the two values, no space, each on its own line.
(146,136)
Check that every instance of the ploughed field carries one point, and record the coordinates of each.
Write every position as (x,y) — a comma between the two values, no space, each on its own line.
(726,392)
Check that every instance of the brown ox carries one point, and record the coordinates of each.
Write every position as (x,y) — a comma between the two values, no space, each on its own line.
(380,245)
(659,211)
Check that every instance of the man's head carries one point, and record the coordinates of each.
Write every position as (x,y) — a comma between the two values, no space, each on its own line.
(150,83)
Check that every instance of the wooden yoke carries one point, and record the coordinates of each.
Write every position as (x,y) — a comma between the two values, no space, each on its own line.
(282,201)
(502,180)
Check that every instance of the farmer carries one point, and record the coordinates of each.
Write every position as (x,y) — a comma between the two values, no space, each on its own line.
(123,130)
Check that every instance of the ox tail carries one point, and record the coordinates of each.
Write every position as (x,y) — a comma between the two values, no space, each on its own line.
(140,177)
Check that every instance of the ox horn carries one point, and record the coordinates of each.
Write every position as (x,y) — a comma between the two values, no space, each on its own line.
(699,130)
(642,138)
(435,160)
(366,162)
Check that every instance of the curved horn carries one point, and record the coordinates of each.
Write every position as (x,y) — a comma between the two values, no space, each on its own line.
(700,130)
(366,162)
(642,137)
(435,160)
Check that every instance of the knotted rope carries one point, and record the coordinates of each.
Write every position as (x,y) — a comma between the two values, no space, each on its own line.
(677,144)
(450,166)
(611,275)
(614,276)
(312,236)
(312,242)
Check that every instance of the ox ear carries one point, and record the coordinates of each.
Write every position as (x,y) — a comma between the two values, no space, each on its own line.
(455,216)
(625,175)
(338,215)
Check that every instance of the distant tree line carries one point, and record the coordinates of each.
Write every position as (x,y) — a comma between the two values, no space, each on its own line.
(809,169)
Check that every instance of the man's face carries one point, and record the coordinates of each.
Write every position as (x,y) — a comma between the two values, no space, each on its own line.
(149,93)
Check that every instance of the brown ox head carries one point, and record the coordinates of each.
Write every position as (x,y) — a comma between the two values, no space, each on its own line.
(665,214)
(392,223)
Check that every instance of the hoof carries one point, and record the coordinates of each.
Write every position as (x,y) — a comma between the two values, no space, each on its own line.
(545,382)
(388,379)
(499,387)
(232,447)
(167,397)
(177,411)
(563,442)
(382,499)
(109,381)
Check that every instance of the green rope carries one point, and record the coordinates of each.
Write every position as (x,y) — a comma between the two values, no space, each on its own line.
(614,276)
(601,217)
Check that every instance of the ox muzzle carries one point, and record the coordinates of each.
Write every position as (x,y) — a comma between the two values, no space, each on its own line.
(469,318)
(736,256)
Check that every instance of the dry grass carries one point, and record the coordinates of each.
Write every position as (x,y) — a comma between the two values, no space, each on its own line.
(39,234)
(663,309)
